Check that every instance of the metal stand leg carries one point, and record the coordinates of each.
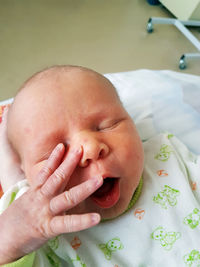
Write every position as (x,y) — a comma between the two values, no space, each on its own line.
(181,26)
(185,57)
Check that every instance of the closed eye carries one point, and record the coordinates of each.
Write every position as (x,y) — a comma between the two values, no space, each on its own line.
(109,125)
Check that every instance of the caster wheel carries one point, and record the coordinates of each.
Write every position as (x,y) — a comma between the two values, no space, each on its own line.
(182,64)
(149,27)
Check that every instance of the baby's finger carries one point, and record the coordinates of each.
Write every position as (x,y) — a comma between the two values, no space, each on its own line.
(73,223)
(52,164)
(75,195)
(62,174)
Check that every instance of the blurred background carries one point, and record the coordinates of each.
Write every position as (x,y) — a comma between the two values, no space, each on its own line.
(105,35)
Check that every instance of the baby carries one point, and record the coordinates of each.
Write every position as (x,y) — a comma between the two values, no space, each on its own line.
(74,158)
(94,169)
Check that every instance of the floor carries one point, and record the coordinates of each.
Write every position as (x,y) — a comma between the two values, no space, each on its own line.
(106,35)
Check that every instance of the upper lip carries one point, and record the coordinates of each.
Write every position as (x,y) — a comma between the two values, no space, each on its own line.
(107,175)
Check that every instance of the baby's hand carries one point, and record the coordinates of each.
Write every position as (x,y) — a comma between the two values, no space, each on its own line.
(11,172)
(38,214)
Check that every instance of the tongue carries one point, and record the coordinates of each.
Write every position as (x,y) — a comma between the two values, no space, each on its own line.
(105,188)
(108,194)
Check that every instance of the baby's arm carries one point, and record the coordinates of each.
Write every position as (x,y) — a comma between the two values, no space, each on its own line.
(38,214)
(10,171)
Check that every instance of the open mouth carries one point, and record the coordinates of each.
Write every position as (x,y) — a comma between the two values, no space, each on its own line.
(108,194)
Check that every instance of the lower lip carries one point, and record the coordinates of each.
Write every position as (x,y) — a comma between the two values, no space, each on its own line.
(109,199)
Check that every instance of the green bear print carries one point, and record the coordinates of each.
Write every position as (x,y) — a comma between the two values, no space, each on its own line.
(79,262)
(111,246)
(53,243)
(164,153)
(52,257)
(167,239)
(170,136)
(168,196)
(192,219)
(192,259)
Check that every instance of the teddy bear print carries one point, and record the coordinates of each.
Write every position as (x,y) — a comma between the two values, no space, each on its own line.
(78,262)
(192,259)
(192,219)
(167,239)
(53,243)
(170,135)
(111,246)
(166,197)
(52,257)
(164,153)
(76,243)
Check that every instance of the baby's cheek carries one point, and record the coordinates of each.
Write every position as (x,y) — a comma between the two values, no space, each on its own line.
(133,152)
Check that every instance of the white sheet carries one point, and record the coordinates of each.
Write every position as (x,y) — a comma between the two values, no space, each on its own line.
(162,101)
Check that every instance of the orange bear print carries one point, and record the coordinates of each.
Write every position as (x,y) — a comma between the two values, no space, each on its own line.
(162,173)
(139,213)
(76,243)
(193,186)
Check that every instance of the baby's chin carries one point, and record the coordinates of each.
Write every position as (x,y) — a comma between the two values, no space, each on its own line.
(88,206)
(110,200)
(113,212)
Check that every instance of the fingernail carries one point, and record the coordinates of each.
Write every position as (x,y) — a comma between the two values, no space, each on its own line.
(98,180)
(59,146)
(95,217)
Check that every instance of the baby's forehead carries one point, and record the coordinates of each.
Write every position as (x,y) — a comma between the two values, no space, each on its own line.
(70,84)
(57,94)
(69,89)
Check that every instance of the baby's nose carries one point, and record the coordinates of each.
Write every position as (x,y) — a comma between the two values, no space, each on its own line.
(93,148)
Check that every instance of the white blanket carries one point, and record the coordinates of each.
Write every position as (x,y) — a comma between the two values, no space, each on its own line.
(162,101)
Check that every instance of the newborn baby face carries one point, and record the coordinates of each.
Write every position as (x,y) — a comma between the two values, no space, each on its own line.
(80,109)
